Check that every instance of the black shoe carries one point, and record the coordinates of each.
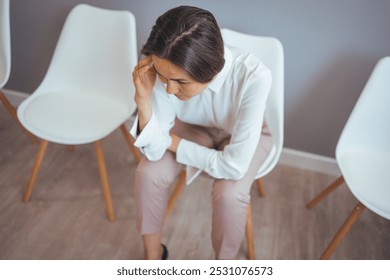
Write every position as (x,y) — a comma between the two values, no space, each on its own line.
(164,254)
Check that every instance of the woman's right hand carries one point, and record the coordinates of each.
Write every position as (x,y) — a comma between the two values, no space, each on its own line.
(144,78)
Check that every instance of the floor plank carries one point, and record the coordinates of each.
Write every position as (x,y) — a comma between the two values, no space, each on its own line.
(65,218)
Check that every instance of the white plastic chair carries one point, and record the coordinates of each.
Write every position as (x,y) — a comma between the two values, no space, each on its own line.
(363,153)
(87,91)
(5,60)
(270,51)
(5,43)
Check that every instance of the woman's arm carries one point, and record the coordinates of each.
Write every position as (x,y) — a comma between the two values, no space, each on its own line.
(156,113)
(144,78)
(233,162)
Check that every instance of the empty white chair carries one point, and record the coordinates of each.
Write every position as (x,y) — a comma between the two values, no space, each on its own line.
(363,152)
(5,43)
(5,60)
(87,91)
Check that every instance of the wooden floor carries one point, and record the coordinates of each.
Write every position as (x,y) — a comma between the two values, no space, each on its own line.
(65,218)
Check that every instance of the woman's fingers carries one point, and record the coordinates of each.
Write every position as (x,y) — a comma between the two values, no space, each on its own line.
(146,62)
(143,66)
(144,76)
(143,69)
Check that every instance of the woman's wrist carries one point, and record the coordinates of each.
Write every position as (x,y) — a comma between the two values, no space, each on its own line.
(175,142)
(145,112)
(143,100)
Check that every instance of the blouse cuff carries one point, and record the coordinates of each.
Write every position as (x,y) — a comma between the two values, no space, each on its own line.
(146,136)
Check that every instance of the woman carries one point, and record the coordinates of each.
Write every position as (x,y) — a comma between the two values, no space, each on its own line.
(200,104)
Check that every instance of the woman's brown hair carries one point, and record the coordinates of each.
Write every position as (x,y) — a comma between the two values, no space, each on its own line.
(190,38)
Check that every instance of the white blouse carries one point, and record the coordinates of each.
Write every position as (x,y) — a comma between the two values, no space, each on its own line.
(234,101)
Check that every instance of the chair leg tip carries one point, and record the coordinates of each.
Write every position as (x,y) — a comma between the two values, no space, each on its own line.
(25,199)
(309,206)
(111,218)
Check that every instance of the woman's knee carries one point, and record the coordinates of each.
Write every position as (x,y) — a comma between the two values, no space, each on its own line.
(160,172)
(228,196)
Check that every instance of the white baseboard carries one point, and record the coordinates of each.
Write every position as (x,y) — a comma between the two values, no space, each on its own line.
(308,161)
(15,97)
(290,157)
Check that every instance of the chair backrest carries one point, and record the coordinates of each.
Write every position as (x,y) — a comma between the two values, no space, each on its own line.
(96,52)
(363,149)
(270,51)
(5,43)
(368,126)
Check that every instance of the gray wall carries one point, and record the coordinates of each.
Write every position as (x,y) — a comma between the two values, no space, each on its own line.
(330,49)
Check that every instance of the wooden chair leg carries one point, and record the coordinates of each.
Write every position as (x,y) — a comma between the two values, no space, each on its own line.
(8,105)
(260,188)
(12,111)
(130,141)
(35,170)
(105,183)
(325,193)
(181,182)
(249,233)
(355,214)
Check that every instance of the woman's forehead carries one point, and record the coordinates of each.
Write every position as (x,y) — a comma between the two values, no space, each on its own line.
(169,70)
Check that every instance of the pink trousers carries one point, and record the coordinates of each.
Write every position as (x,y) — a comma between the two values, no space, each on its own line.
(230,198)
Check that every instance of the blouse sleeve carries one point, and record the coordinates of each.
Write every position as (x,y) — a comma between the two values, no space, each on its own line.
(233,162)
(154,139)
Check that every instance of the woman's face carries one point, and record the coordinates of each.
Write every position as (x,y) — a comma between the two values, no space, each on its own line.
(178,81)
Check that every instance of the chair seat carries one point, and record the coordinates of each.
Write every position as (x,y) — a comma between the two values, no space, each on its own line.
(367,175)
(91,118)
(268,164)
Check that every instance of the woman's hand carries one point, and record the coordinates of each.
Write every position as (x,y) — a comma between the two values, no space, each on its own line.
(144,78)
(175,142)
